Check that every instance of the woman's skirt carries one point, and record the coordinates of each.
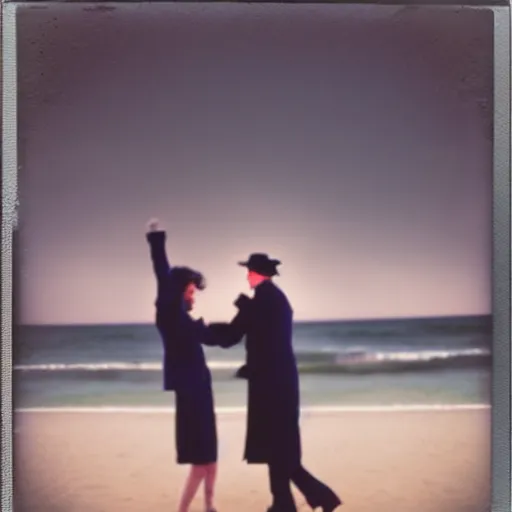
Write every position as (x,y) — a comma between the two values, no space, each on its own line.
(196,430)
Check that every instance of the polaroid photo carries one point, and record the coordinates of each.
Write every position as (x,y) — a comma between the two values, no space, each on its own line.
(255,256)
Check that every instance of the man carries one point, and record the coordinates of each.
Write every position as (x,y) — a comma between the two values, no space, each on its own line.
(273,432)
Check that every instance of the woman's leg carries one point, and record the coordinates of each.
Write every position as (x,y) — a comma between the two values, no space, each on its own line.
(195,477)
(209,486)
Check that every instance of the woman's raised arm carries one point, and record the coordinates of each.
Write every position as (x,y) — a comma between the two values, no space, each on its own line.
(156,238)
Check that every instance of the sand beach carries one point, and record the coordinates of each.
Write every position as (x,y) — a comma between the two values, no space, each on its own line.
(378,460)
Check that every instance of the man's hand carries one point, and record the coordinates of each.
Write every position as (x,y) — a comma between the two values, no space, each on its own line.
(242,372)
(242,301)
(153,225)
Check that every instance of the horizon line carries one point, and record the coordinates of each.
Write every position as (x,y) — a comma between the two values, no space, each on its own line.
(303,321)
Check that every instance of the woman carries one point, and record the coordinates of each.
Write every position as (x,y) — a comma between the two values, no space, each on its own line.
(184,369)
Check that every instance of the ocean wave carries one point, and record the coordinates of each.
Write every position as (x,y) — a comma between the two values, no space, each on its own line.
(116,366)
(389,362)
(351,361)
(479,327)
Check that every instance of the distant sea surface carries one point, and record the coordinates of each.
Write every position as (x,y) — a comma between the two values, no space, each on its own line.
(437,361)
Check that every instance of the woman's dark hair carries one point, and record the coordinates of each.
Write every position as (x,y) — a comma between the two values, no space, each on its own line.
(181,277)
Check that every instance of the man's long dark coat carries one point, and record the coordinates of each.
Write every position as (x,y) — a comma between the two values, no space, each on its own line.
(273,433)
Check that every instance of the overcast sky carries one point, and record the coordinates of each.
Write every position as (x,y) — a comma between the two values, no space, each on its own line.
(354,144)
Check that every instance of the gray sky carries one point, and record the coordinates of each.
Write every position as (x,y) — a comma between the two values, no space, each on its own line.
(354,144)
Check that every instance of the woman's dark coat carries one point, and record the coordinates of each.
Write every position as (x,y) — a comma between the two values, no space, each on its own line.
(184,366)
(273,433)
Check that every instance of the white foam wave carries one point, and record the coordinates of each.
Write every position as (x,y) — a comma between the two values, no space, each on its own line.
(408,356)
(117,366)
(349,356)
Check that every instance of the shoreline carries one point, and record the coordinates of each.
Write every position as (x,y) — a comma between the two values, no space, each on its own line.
(240,410)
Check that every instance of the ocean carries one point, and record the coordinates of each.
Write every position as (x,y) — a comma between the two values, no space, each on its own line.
(431,362)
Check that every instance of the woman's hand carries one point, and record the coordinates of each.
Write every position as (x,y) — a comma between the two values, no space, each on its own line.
(153,225)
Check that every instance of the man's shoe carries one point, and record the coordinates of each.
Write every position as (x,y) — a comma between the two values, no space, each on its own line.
(331,504)
(273,508)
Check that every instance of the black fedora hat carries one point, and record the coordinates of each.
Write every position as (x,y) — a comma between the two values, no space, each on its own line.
(262,264)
